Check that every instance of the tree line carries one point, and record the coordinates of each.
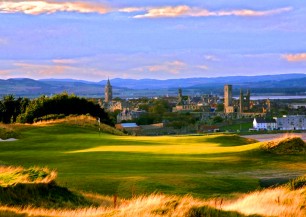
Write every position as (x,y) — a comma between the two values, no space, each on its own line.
(24,110)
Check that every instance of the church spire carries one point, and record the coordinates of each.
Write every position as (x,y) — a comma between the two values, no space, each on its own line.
(108,92)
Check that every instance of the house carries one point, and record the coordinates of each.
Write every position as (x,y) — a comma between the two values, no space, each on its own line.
(292,122)
(263,124)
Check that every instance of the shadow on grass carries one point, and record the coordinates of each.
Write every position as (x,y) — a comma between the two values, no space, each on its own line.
(206,211)
(230,140)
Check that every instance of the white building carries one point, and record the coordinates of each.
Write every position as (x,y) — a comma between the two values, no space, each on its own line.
(292,122)
(263,124)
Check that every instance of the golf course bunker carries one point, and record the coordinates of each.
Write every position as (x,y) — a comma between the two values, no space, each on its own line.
(8,140)
(275,181)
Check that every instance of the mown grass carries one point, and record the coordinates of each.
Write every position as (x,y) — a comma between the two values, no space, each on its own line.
(237,127)
(203,166)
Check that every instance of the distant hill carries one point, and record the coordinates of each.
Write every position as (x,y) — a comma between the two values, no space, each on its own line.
(198,82)
(290,84)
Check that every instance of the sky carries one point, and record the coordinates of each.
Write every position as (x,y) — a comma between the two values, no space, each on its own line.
(96,39)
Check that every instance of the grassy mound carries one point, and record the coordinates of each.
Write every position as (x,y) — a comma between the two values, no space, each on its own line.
(35,187)
(11,176)
(6,132)
(286,145)
(83,121)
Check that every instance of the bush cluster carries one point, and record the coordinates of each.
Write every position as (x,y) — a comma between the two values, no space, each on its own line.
(23,110)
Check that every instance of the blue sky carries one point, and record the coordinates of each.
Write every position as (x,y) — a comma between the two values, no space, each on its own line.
(93,40)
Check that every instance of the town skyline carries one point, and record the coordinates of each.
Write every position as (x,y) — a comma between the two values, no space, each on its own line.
(93,40)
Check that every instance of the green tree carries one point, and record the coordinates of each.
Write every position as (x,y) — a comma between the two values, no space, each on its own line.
(217,119)
(62,104)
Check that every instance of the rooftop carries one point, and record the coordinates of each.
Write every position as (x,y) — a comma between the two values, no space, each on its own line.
(127,125)
(262,120)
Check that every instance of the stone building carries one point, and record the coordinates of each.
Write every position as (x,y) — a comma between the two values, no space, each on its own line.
(228,99)
(108,92)
(244,101)
(291,122)
(191,104)
(127,115)
(180,97)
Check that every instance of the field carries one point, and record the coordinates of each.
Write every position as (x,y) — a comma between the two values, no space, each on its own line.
(127,166)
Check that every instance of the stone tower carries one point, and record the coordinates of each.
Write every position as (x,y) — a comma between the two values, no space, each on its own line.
(228,95)
(108,92)
(268,103)
(180,97)
(248,99)
(228,99)
(241,101)
(244,101)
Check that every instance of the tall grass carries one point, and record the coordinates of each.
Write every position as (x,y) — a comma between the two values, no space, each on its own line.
(10,176)
(279,201)
(271,202)
(287,144)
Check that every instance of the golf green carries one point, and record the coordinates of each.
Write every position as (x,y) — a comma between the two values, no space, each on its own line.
(203,166)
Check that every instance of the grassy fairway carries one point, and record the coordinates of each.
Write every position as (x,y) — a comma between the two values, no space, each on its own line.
(203,166)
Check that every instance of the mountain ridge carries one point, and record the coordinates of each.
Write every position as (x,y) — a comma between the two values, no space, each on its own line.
(282,83)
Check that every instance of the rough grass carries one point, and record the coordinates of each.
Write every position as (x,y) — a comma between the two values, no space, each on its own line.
(7,131)
(10,176)
(43,198)
(297,183)
(280,202)
(289,144)
(271,202)
(35,187)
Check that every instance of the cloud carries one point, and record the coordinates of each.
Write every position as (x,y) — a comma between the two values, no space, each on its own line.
(301,57)
(42,69)
(5,72)
(186,11)
(58,68)
(3,41)
(131,9)
(64,61)
(172,67)
(202,67)
(49,7)
(36,7)
(211,58)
